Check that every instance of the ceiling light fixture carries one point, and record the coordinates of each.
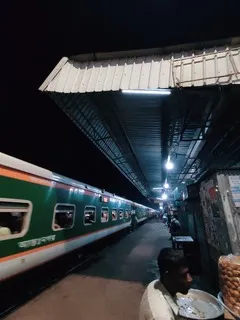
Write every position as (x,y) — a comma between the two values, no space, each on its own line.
(169,164)
(160,91)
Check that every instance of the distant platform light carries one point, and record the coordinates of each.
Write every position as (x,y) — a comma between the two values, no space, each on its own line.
(158,188)
(169,164)
(157,91)
(164,196)
(166,185)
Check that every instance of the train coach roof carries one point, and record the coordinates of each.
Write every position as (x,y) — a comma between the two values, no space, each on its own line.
(17,164)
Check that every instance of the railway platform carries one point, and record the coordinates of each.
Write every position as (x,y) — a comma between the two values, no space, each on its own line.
(110,288)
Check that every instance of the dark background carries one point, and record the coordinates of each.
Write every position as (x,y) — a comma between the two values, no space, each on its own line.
(36,34)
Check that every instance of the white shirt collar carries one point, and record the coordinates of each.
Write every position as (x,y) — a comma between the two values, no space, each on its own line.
(170,300)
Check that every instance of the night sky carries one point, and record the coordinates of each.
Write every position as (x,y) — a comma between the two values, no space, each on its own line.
(36,34)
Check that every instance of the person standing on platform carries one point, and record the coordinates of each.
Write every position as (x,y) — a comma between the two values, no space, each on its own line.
(159,299)
(175,227)
(169,216)
(175,230)
(165,219)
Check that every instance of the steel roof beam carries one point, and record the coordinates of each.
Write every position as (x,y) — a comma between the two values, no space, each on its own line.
(112,111)
(131,147)
(71,112)
(164,139)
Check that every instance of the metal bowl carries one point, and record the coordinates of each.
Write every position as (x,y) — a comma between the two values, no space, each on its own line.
(199,304)
(220,299)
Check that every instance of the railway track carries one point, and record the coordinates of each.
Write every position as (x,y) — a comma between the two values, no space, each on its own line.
(18,291)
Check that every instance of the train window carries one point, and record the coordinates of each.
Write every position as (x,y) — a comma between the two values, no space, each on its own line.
(126,214)
(120,214)
(14,218)
(89,215)
(104,214)
(64,216)
(114,214)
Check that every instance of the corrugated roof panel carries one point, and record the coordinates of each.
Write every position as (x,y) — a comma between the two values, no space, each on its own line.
(102,74)
(145,72)
(70,84)
(79,69)
(210,67)
(107,82)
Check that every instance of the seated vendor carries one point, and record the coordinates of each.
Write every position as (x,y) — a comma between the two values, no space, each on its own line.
(159,299)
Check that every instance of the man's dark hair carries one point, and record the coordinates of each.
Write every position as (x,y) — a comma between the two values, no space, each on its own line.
(170,260)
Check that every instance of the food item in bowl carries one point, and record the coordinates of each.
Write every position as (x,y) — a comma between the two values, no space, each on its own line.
(188,309)
(229,276)
(195,306)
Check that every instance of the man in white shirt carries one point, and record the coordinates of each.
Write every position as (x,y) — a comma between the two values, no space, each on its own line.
(159,299)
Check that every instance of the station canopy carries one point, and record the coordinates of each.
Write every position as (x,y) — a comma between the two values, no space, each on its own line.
(142,108)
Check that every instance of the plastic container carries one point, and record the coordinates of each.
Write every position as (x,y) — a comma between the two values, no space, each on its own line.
(229,275)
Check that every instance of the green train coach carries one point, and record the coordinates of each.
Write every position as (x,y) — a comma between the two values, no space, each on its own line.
(44,215)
